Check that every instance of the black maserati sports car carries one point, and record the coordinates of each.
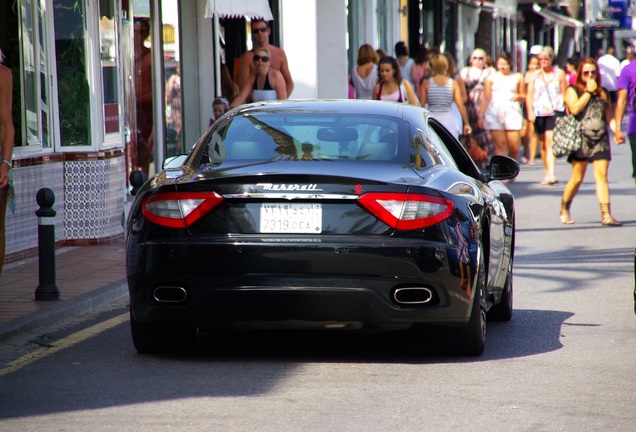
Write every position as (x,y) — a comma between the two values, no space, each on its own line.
(328,214)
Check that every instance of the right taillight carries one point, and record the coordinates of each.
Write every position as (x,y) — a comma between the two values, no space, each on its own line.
(404,211)
(179,209)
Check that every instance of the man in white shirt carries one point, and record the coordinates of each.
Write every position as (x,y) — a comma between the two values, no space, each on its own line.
(610,68)
(629,56)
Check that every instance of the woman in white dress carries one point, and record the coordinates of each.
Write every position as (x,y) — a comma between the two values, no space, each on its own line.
(440,92)
(500,110)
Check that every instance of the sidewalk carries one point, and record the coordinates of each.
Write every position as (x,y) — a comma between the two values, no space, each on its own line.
(87,277)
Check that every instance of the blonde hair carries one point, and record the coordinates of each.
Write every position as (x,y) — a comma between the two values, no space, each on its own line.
(548,51)
(478,51)
(439,64)
(265,50)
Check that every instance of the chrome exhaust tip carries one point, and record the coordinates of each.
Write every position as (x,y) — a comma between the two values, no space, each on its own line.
(412,295)
(170,294)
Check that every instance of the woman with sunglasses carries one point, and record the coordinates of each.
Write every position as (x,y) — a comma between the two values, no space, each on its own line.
(587,100)
(264,84)
(544,102)
(474,77)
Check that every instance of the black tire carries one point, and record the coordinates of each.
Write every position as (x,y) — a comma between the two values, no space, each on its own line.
(502,311)
(162,338)
(469,339)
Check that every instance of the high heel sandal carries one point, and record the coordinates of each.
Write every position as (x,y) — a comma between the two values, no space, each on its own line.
(606,216)
(565,216)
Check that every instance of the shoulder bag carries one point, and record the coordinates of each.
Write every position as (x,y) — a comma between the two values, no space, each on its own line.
(566,138)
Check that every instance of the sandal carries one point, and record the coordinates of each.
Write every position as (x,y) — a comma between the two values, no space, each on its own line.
(565,217)
(553,180)
(606,216)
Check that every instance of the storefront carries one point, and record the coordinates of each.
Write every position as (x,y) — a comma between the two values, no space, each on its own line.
(68,113)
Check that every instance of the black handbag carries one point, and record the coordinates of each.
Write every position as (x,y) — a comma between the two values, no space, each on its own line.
(566,138)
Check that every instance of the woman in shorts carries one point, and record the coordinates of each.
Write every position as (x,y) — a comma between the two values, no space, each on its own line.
(545,101)
(500,110)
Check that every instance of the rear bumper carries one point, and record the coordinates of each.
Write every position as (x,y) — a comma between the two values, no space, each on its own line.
(226,284)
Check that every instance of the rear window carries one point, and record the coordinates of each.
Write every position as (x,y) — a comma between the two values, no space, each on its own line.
(306,136)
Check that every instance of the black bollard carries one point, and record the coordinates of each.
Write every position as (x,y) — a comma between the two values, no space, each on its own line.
(47,289)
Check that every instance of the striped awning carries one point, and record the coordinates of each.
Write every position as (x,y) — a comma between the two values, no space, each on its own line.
(239,8)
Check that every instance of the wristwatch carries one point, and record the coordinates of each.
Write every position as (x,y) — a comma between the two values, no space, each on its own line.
(8,162)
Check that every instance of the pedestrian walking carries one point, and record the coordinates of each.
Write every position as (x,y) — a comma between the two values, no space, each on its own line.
(420,69)
(391,86)
(529,137)
(7,137)
(365,75)
(474,77)
(626,102)
(500,110)
(591,105)
(609,71)
(545,101)
(404,61)
(440,92)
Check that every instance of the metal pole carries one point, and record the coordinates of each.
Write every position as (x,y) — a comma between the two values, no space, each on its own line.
(47,289)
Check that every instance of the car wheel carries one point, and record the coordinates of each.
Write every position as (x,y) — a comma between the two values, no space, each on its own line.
(470,339)
(165,337)
(502,311)
(466,340)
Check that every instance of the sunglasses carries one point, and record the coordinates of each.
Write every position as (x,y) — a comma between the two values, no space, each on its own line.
(592,72)
(264,59)
(261,29)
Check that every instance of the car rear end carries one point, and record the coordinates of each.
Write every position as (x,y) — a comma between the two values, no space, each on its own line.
(339,242)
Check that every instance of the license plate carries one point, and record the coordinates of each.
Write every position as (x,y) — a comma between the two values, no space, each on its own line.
(291,218)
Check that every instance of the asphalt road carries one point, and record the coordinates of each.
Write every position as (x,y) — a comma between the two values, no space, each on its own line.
(565,362)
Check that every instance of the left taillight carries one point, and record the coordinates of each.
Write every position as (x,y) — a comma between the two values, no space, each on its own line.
(404,211)
(179,209)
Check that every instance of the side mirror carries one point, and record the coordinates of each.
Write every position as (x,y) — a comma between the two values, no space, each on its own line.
(174,161)
(503,168)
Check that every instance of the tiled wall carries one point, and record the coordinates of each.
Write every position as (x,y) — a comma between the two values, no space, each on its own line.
(95,193)
(22,226)
(89,200)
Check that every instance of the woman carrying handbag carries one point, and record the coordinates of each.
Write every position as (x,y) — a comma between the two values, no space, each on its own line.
(589,103)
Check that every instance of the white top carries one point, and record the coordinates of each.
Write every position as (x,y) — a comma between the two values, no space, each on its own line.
(610,69)
(406,70)
(364,86)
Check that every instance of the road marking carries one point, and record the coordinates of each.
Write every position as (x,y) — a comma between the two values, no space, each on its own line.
(64,343)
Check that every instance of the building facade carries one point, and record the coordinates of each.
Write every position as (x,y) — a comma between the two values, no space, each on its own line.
(103,88)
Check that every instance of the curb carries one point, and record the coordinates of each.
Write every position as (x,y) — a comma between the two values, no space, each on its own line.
(74,307)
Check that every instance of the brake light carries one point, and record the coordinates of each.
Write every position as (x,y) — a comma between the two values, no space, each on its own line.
(179,209)
(407,211)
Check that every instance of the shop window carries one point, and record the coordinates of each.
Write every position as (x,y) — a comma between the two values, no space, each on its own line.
(109,61)
(35,122)
(72,79)
(172,75)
